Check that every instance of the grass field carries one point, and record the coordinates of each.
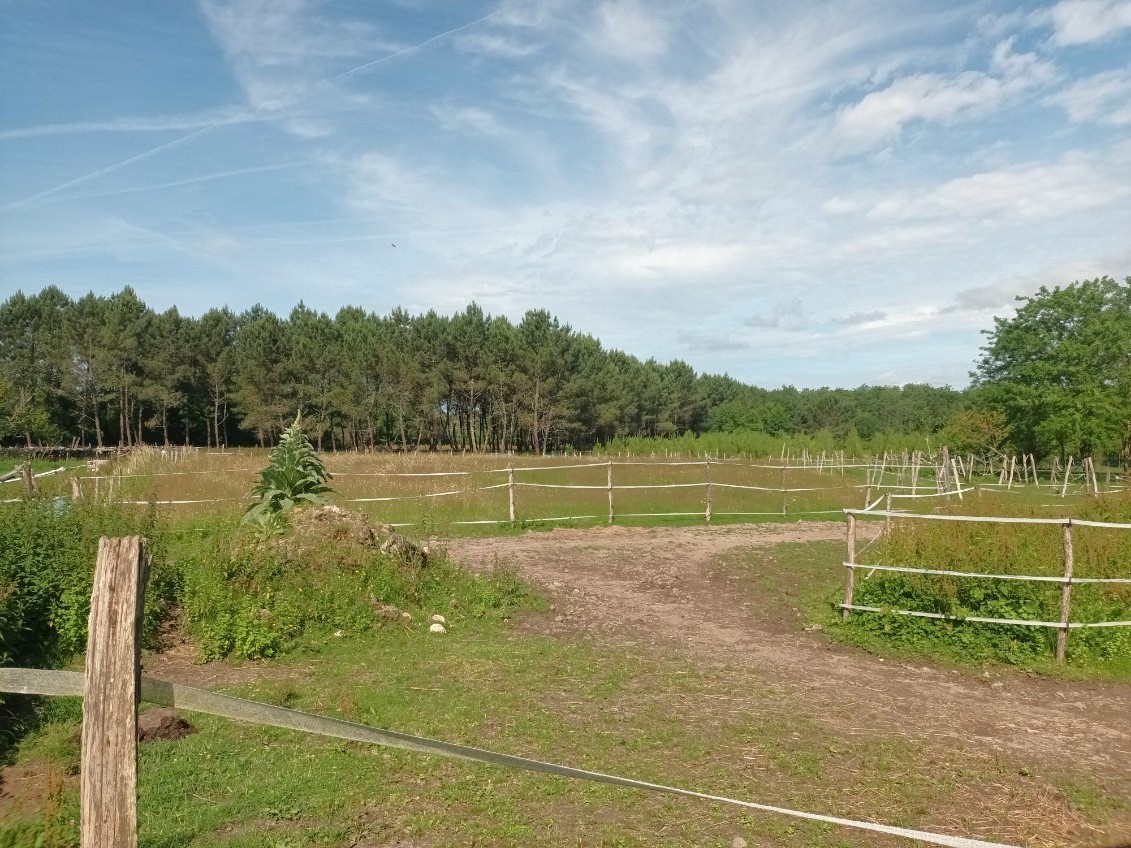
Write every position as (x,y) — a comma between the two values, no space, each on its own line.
(216,483)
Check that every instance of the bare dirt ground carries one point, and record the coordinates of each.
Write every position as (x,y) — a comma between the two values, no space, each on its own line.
(666,587)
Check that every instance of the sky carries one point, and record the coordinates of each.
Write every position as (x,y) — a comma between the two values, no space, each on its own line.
(792,193)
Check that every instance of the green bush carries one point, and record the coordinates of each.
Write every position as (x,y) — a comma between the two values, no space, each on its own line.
(47,556)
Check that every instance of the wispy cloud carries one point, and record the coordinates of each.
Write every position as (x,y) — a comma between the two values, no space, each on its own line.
(1085,21)
(940,98)
(1104,98)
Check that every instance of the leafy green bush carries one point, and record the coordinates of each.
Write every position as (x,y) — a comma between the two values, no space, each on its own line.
(47,555)
(295,475)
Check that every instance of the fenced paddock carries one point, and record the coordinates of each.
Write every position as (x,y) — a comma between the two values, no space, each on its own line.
(1047,556)
(487,490)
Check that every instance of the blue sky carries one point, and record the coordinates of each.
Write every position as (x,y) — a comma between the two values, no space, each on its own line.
(804,193)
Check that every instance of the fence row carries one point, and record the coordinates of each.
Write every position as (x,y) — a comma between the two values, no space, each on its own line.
(1064,625)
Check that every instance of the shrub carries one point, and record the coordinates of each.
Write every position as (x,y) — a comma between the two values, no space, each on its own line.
(47,556)
(295,475)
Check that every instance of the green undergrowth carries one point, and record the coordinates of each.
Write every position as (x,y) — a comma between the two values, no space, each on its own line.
(47,555)
(1002,549)
(252,598)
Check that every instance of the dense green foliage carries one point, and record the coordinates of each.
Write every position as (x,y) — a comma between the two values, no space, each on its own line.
(294,475)
(1060,370)
(47,555)
(111,370)
(1002,549)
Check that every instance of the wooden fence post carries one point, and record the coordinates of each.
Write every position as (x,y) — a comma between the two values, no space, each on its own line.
(108,782)
(867,497)
(1067,472)
(957,479)
(709,505)
(850,573)
(887,518)
(1065,595)
(609,467)
(784,493)
(29,478)
(510,492)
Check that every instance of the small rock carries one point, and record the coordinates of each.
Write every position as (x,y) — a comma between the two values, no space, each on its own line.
(738,842)
(406,617)
(809,628)
(437,628)
(162,724)
(338,634)
(387,612)
(997,684)
(439,619)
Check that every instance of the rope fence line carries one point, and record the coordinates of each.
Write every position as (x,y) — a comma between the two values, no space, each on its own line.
(1066,581)
(70,683)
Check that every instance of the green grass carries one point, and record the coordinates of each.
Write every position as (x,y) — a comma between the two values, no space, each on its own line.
(655,716)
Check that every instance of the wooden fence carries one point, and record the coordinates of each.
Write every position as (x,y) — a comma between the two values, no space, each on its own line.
(1063,626)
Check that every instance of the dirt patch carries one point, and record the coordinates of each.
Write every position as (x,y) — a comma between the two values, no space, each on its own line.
(664,587)
(162,724)
(26,788)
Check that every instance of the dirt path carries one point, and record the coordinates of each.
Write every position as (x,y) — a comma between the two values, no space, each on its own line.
(664,586)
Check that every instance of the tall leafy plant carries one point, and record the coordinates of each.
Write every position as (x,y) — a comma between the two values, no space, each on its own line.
(295,475)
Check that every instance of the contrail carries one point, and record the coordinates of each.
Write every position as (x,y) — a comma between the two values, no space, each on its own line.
(108,169)
(255,115)
(203,178)
(406,50)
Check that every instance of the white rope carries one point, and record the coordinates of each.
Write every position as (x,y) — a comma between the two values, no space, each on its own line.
(945,573)
(1072,625)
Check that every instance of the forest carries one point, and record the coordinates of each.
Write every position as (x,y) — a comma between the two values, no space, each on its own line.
(109,370)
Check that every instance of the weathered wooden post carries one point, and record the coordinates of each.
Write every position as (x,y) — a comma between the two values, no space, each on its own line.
(609,469)
(510,492)
(1067,473)
(709,505)
(887,518)
(957,479)
(1065,595)
(784,493)
(849,571)
(108,782)
(29,478)
(76,489)
(867,497)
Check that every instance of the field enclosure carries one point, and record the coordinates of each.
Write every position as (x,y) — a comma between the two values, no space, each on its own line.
(433,490)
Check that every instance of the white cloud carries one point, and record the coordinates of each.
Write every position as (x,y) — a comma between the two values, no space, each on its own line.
(280,49)
(1084,21)
(1007,195)
(627,29)
(942,98)
(1104,98)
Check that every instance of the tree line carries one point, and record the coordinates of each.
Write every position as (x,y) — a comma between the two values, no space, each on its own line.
(108,370)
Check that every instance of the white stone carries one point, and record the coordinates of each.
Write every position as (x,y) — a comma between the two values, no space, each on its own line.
(437,628)
(738,842)
(439,619)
